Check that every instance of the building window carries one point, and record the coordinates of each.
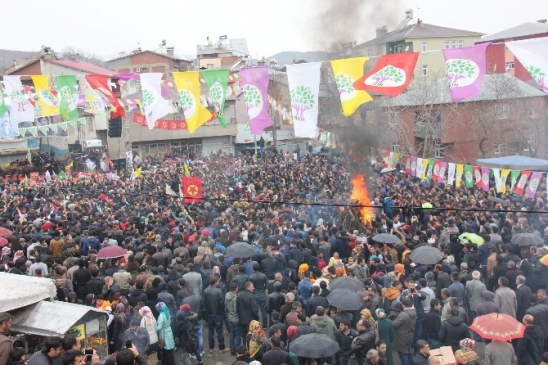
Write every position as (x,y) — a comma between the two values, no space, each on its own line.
(424,70)
(502,111)
(527,146)
(424,47)
(453,44)
(500,149)
(187,147)
(510,65)
(461,44)
(210,66)
(91,123)
(532,113)
(393,117)
(447,44)
(439,149)
(395,147)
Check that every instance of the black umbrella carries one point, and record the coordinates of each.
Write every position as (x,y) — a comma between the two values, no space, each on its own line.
(345,299)
(499,200)
(527,239)
(386,238)
(240,250)
(426,255)
(346,282)
(314,346)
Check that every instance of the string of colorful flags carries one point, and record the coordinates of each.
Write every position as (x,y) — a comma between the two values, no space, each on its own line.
(464,175)
(63,95)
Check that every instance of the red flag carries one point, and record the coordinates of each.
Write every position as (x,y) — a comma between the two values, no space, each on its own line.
(520,185)
(100,83)
(408,164)
(391,75)
(192,189)
(477,176)
(436,172)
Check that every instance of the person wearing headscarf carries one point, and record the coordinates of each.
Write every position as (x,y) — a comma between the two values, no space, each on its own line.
(149,323)
(386,333)
(254,340)
(366,316)
(119,325)
(165,334)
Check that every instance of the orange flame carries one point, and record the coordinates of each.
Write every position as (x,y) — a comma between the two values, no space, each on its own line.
(360,193)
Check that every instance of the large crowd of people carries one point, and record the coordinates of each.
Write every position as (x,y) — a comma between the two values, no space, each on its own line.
(177,275)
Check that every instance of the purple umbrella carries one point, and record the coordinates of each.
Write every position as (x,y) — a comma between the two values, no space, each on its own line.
(111,252)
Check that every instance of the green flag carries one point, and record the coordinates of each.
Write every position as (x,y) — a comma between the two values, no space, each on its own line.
(62,175)
(430,169)
(468,176)
(3,106)
(66,85)
(514,176)
(217,83)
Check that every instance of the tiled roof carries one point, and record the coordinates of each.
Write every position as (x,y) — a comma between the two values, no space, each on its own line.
(81,66)
(522,30)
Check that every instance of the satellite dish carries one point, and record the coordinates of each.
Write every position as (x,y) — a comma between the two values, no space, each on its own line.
(406,48)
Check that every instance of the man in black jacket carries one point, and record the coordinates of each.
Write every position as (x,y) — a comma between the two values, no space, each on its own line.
(95,285)
(344,337)
(247,307)
(523,292)
(215,307)
(315,301)
(80,278)
(275,299)
(432,324)
(529,349)
(275,355)
(259,281)
(137,294)
(453,330)
(540,315)
(364,342)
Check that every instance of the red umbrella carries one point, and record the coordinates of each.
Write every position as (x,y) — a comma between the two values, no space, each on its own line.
(498,326)
(3,242)
(111,252)
(5,232)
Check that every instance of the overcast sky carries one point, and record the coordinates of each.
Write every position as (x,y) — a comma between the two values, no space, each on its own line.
(108,27)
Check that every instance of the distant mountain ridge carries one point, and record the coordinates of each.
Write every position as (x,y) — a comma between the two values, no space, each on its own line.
(8,57)
(287,58)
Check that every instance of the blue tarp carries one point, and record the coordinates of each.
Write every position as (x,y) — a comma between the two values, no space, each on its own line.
(515,162)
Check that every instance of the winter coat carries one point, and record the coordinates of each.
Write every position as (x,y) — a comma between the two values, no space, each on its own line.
(386,333)
(431,325)
(324,325)
(530,347)
(39,358)
(5,349)
(151,329)
(136,296)
(345,342)
(487,305)
(247,307)
(506,299)
(140,339)
(540,314)
(232,307)
(363,343)
(213,301)
(453,331)
(164,331)
(404,327)
(474,289)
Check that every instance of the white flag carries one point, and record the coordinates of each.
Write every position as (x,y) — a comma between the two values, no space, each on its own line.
(48,176)
(533,55)
(95,103)
(498,180)
(90,165)
(304,87)
(155,106)
(451,167)
(419,167)
(21,109)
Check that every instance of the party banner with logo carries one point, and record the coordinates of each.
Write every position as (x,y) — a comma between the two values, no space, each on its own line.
(21,109)
(420,168)
(451,167)
(68,104)
(304,87)
(485,178)
(3,106)
(391,75)
(436,172)
(346,72)
(465,69)
(93,101)
(101,84)
(443,169)
(503,178)
(430,170)
(498,180)
(155,106)
(458,175)
(255,82)
(520,186)
(534,183)
(533,55)
(217,84)
(414,166)
(477,176)
(514,175)
(468,176)
(188,86)
(48,103)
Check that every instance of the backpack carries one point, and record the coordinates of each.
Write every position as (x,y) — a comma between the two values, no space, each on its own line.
(191,343)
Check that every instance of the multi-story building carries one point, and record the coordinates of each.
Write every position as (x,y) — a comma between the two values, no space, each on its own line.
(502,60)
(148,61)
(230,54)
(428,39)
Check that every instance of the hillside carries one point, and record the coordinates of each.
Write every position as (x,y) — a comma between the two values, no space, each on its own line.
(7,57)
(287,58)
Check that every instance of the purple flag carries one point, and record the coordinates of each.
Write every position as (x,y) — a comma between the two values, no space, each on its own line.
(255,86)
(465,69)
(534,183)
(485,178)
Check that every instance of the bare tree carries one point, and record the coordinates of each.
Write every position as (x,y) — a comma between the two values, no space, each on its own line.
(83,55)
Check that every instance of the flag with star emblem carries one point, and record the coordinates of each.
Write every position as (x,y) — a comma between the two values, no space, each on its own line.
(192,189)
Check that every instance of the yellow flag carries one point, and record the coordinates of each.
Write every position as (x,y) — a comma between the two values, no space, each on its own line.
(503,177)
(137,172)
(346,72)
(187,173)
(458,175)
(424,168)
(26,180)
(48,103)
(69,166)
(188,87)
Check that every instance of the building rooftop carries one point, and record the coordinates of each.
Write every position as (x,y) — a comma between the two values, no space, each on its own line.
(419,30)
(147,51)
(519,31)
(80,66)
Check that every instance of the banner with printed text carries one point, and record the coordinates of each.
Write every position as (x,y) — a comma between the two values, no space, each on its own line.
(304,86)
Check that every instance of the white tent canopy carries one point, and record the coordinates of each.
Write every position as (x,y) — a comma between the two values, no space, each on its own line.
(515,162)
(17,291)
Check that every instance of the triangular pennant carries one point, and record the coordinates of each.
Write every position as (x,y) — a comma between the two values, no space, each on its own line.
(44,129)
(54,127)
(72,123)
(82,121)
(22,132)
(33,131)
(63,126)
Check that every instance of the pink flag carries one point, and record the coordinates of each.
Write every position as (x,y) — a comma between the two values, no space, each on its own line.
(255,85)
(443,169)
(485,178)
(534,182)
(465,69)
